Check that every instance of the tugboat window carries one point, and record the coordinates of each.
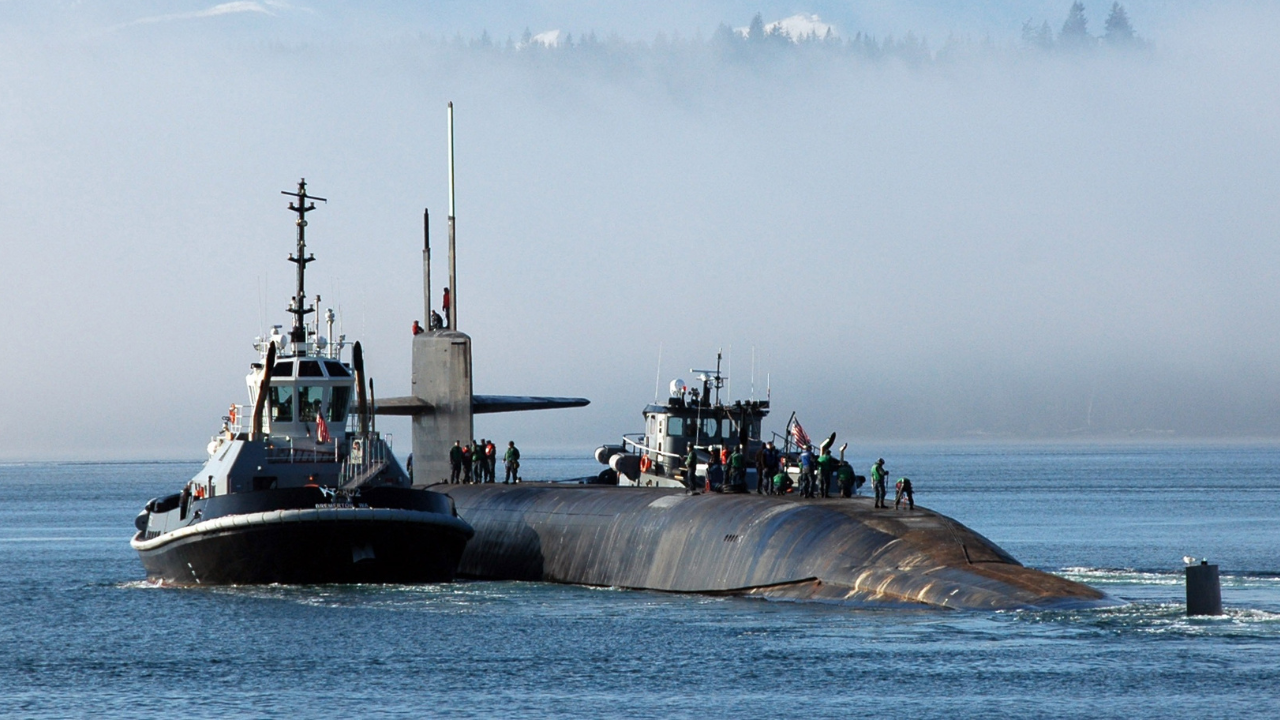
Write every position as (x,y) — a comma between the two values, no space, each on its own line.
(309,368)
(282,369)
(281,397)
(338,404)
(335,369)
(309,402)
(710,427)
(675,426)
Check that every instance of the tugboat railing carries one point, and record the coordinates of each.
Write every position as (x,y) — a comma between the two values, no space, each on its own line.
(293,454)
(365,458)
(641,447)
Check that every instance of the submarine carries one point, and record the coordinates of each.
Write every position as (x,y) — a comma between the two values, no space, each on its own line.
(663,539)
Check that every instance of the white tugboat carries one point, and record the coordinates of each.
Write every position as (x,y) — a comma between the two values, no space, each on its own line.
(298,488)
(691,417)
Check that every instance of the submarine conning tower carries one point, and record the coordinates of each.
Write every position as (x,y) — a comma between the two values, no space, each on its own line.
(443,405)
(442,381)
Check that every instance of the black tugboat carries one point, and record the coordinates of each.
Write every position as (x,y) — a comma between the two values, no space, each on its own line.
(298,488)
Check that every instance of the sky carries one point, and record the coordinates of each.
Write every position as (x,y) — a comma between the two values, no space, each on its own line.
(999,244)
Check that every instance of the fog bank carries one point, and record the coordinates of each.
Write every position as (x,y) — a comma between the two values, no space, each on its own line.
(990,242)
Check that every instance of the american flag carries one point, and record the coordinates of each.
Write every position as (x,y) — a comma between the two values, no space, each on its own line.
(799,435)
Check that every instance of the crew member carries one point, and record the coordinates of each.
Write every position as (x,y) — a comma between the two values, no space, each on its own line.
(826,468)
(847,479)
(738,470)
(690,470)
(491,460)
(806,473)
(467,451)
(762,469)
(904,491)
(780,481)
(455,462)
(715,473)
(772,463)
(477,462)
(512,462)
(417,329)
(878,475)
(445,306)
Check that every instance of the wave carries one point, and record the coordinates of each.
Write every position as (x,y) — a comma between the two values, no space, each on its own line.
(1142,576)
(1156,620)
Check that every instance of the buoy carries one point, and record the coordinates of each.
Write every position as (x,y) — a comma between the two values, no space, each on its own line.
(1204,592)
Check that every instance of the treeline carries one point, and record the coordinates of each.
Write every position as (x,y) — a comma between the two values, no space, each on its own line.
(760,41)
(1074,35)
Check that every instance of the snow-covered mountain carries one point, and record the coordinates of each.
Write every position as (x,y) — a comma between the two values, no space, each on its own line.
(550,38)
(800,26)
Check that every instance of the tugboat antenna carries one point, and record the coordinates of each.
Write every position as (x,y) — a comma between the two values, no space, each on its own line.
(298,307)
(711,379)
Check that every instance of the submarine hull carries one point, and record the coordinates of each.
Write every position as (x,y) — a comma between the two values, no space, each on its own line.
(836,550)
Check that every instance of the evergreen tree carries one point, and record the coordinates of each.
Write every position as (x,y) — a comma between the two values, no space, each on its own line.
(1037,37)
(1075,31)
(755,33)
(724,37)
(1119,31)
(1044,38)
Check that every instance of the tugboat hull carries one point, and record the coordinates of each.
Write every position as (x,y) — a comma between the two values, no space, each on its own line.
(338,545)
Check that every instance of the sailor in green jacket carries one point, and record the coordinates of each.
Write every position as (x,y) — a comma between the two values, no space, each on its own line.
(690,470)
(512,461)
(780,482)
(738,471)
(848,481)
(826,468)
(878,475)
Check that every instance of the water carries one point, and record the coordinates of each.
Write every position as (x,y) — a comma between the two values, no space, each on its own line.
(81,634)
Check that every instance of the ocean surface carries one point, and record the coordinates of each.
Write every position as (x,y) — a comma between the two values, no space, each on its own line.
(81,633)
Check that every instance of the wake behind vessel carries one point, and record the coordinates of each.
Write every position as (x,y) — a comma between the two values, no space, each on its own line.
(297,487)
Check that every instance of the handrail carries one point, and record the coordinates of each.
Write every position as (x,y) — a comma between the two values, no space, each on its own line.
(373,455)
(645,448)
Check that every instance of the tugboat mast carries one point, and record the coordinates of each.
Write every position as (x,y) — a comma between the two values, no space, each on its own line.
(298,307)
